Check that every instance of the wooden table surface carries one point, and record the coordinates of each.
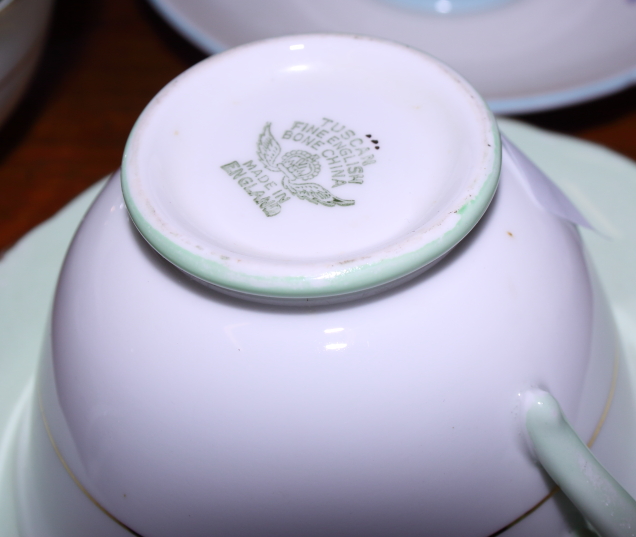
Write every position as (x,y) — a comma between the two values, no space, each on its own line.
(104,61)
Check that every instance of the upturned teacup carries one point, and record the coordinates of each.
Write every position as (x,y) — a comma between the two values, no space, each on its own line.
(322,298)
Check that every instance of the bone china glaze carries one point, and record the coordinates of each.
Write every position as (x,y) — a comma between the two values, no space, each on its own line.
(181,410)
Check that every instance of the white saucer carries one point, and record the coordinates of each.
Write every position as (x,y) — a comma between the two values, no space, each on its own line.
(521,56)
(600,182)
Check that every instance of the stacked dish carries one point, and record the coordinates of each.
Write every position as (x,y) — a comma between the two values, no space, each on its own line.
(22,30)
(521,55)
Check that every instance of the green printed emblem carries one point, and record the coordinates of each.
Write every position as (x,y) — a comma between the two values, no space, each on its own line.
(299,167)
(296,165)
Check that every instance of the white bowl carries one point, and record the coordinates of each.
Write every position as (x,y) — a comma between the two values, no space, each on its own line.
(23,26)
(521,55)
(293,398)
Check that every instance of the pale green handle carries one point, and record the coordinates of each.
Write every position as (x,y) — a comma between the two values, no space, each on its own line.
(569,462)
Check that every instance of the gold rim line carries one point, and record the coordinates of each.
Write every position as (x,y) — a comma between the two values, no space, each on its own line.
(72,475)
(590,443)
(608,403)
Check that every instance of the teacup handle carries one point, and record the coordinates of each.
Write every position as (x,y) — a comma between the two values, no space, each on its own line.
(570,463)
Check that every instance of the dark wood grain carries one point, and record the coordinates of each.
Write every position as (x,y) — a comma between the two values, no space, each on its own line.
(610,121)
(103,62)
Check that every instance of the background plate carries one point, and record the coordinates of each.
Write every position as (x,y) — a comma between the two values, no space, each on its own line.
(522,56)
